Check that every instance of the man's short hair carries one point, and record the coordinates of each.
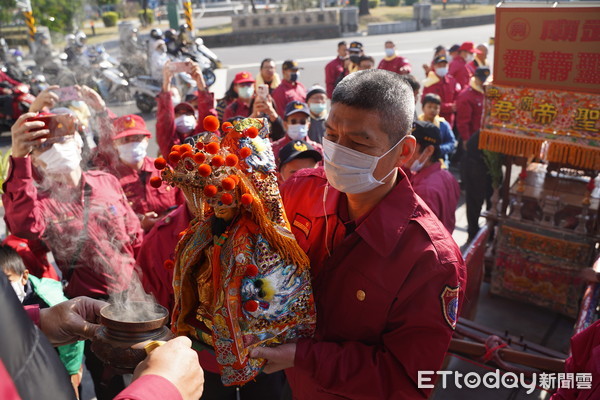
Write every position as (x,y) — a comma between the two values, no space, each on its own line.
(431,98)
(342,43)
(11,261)
(382,91)
(266,60)
(412,81)
(389,42)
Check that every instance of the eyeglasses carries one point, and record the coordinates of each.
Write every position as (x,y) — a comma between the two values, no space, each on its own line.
(294,121)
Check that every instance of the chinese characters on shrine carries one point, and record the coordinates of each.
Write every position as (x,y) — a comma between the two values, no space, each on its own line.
(549,48)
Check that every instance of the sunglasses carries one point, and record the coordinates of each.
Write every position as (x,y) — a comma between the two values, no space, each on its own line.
(294,121)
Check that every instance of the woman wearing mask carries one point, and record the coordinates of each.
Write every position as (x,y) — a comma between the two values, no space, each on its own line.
(248,104)
(296,125)
(175,124)
(135,171)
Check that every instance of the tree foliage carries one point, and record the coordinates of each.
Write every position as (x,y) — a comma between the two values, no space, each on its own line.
(7,9)
(58,15)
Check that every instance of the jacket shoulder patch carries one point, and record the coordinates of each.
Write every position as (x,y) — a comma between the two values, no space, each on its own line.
(449,302)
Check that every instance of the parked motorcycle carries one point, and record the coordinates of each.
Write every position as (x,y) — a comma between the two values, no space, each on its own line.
(16,102)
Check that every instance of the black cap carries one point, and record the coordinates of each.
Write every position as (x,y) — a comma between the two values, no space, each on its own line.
(294,107)
(314,90)
(454,48)
(427,134)
(356,47)
(440,59)
(297,149)
(482,73)
(290,64)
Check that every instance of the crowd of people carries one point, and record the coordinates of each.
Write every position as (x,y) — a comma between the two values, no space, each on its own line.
(365,185)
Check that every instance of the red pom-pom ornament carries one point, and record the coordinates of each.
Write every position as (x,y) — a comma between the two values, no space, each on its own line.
(199,158)
(251,305)
(212,148)
(204,170)
(226,199)
(160,163)
(231,160)
(156,182)
(217,161)
(228,184)
(174,157)
(251,132)
(245,152)
(247,199)
(210,190)
(211,123)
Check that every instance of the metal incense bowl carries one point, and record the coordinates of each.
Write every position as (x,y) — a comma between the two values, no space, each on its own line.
(114,340)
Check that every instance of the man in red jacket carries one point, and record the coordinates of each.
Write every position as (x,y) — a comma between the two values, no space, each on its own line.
(459,67)
(393,62)
(444,85)
(335,68)
(469,105)
(289,89)
(387,277)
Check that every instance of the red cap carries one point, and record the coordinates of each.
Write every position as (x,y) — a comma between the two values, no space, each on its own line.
(243,77)
(129,125)
(185,107)
(470,47)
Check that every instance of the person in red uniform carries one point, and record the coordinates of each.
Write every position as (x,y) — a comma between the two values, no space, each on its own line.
(444,85)
(135,171)
(469,105)
(335,68)
(174,124)
(585,353)
(393,62)
(436,186)
(83,217)
(243,85)
(459,67)
(296,125)
(387,276)
(289,89)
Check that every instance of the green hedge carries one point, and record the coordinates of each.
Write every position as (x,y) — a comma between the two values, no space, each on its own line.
(373,3)
(392,3)
(110,18)
(149,16)
(410,2)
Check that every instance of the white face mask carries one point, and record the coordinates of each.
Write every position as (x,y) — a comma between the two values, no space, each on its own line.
(185,123)
(417,165)
(19,288)
(390,52)
(134,152)
(351,171)
(297,131)
(245,92)
(441,72)
(62,158)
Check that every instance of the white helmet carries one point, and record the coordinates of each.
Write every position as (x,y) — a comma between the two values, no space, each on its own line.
(70,40)
(80,39)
